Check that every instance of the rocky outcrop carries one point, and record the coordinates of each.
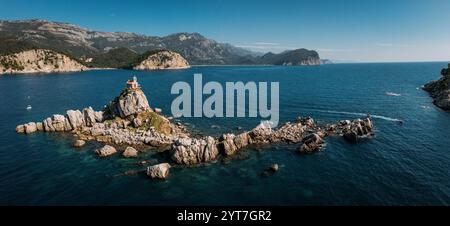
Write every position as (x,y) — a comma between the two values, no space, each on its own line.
(352,130)
(79,143)
(163,59)
(440,89)
(38,61)
(130,152)
(28,128)
(128,119)
(160,171)
(311,143)
(129,102)
(132,122)
(106,150)
(191,151)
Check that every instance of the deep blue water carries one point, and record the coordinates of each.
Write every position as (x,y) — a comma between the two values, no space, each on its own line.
(405,164)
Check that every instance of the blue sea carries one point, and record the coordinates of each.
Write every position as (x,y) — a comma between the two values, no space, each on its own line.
(404,164)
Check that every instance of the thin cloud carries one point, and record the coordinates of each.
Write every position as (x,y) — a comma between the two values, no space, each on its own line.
(391,45)
(267,43)
(335,50)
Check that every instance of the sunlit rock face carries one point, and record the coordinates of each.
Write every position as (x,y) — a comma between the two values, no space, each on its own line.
(162,60)
(38,61)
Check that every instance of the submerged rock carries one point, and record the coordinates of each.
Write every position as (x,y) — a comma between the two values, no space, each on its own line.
(79,143)
(351,136)
(160,171)
(274,168)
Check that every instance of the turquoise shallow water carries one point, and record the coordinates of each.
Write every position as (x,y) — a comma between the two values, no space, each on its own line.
(405,164)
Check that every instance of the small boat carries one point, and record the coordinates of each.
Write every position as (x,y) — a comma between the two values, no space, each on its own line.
(29,107)
(393,94)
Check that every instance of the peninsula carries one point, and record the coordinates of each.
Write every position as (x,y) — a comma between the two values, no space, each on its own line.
(440,89)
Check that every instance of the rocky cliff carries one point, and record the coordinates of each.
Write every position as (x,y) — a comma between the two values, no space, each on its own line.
(38,60)
(440,89)
(162,60)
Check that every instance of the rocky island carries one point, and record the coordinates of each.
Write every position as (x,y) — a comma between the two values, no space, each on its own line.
(161,59)
(440,89)
(38,61)
(129,121)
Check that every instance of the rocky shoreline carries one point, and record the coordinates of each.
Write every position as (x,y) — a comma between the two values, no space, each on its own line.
(129,121)
(440,90)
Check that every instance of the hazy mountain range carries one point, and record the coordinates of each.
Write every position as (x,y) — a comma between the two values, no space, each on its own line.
(114,49)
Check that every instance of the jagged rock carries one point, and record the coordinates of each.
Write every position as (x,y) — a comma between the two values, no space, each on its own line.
(211,150)
(30,127)
(67,126)
(39,126)
(227,144)
(20,129)
(106,150)
(79,143)
(76,118)
(289,132)
(48,127)
(129,102)
(241,140)
(311,143)
(308,121)
(189,151)
(160,171)
(130,152)
(98,116)
(58,122)
(261,133)
(89,116)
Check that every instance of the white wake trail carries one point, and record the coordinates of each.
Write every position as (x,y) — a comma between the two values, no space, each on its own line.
(360,114)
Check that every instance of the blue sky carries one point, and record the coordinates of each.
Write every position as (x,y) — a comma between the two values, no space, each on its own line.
(355,30)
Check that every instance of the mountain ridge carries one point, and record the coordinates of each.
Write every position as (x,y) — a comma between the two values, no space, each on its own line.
(84,43)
